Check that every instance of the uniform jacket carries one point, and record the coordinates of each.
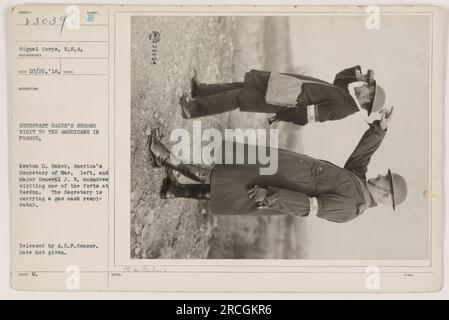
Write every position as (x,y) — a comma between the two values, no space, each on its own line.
(332,101)
(341,192)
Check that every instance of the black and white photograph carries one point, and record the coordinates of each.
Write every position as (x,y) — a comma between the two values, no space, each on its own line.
(338,107)
(233,149)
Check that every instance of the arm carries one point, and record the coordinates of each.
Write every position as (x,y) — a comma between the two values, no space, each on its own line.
(331,207)
(319,103)
(314,103)
(347,76)
(283,200)
(368,144)
(321,112)
(336,208)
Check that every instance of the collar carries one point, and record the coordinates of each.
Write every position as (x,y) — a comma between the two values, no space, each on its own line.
(370,202)
(351,87)
(367,197)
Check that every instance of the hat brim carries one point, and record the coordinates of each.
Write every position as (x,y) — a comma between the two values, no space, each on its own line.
(392,188)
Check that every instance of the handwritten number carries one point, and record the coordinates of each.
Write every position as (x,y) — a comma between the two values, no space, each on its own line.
(47,21)
(62,18)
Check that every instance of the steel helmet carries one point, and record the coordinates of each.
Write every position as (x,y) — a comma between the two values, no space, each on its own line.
(379,99)
(398,188)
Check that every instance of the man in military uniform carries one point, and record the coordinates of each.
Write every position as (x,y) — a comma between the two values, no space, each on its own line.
(293,98)
(303,186)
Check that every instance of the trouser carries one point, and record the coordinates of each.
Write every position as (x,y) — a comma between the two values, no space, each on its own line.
(217,98)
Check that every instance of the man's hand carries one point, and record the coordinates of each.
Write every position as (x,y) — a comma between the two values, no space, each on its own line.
(360,76)
(258,194)
(272,120)
(386,116)
(368,77)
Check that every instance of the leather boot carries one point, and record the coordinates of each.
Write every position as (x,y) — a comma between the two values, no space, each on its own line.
(193,84)
(171,189)
(191,171)
(185,104)
(160,156)
(158,152)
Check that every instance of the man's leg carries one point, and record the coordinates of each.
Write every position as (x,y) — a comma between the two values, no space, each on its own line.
(161,157)
(213,104)
(192,171)
(201,90)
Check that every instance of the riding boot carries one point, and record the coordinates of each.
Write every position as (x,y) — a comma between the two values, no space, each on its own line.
(192,171)
(158,152)
(171,189)
(161,157)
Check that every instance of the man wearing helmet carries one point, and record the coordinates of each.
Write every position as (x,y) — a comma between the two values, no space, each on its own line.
(302,186)
(295,98)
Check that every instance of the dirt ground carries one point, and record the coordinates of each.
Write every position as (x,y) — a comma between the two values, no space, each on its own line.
(220,49)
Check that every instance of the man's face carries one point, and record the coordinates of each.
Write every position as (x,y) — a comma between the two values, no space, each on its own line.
(364,93)
(364,90)
(382,185)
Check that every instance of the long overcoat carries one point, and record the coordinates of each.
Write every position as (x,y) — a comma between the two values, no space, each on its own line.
(341,192)
(332,100)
